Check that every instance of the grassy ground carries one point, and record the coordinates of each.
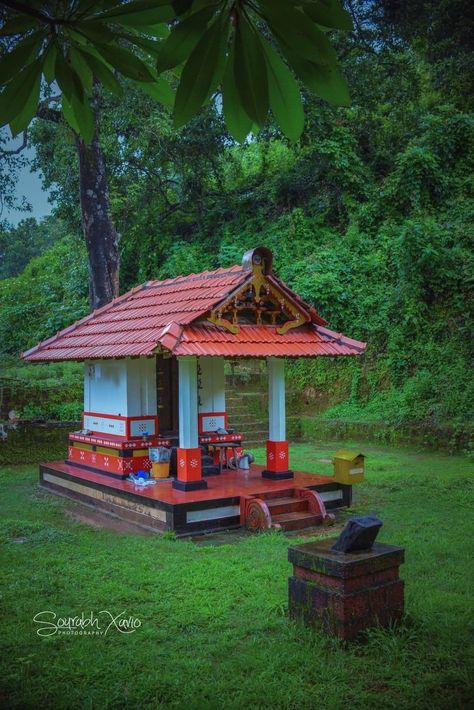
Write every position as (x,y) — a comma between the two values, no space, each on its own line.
(214,631)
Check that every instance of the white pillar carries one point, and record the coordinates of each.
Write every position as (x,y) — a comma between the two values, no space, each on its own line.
(276,399)
(277,446)
(188,402)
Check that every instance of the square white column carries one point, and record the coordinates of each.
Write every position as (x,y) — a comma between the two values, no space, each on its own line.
(188,402)
(276,399)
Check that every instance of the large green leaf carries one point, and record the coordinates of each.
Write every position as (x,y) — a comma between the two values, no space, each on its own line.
(141,12)
(17,24)
(250,71)
(101,71)
(159,29)
(82,68)
(151,17)
(200,73)
(148,45)
(24,116)
(23,53)
(326,82)
(80,117)
(125,62)
(328,13)
(18,93)
(49,61)
(291,26)
(159,89)
(237,121)
(85,8)
(285,99)
(69,115)
(183,39)
(67,78)
(95,31)
(181,6)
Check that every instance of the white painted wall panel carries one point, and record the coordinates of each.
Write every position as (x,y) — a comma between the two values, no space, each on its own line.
(212,392)
(125,387)
(105,387)
(141,387)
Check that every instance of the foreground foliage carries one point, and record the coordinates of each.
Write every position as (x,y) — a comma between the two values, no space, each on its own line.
(214,616)
(211,44)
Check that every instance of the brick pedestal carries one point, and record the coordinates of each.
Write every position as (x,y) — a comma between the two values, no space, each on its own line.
(347,592)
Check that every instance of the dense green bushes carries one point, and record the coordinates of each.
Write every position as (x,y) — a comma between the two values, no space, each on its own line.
(48,295)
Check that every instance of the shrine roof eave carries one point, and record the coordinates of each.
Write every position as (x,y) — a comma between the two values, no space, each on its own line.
(205,339)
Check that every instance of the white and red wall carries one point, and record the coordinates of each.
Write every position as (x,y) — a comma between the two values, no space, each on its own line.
(211,394)
(120,397)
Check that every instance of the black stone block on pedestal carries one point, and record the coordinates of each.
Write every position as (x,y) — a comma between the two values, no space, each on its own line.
(358,534)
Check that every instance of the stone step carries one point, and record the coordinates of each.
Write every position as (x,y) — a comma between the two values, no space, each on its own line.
(270,495)
(286,504)
(296,521)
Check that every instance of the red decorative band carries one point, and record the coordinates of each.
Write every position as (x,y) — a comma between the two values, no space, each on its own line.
(277,456)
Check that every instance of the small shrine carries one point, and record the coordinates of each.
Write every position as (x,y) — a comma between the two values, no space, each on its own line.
(154,377)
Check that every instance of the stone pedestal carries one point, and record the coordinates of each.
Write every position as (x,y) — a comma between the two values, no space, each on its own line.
(346,592)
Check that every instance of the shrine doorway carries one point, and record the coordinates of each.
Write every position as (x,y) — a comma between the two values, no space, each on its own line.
(167,386)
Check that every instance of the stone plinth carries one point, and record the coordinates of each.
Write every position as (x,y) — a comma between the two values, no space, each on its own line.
(346,592)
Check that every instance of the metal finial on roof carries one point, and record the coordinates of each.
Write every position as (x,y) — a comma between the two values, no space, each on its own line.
(257,256)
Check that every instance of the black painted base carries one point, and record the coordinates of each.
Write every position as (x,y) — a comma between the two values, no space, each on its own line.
(280,476)
(210,471)
(189,485)
(109,474)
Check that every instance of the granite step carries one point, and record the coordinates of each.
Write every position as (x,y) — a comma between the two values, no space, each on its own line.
(286,504)
(296,521)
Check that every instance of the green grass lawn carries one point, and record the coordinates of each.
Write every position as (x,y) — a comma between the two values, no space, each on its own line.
(214,630)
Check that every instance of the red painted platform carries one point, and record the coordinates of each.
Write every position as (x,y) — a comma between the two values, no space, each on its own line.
(166,508)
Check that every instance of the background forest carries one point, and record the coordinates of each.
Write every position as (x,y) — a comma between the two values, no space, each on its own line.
(370,218)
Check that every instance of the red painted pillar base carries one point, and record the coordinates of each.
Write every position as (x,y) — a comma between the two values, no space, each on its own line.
(189,471)
(277,461)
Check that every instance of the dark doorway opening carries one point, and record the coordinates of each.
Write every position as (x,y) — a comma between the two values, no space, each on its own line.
(167,395)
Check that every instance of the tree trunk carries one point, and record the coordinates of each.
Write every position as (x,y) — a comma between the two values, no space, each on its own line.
(102,239)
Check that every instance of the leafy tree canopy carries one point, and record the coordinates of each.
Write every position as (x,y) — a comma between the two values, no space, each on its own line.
(177,51)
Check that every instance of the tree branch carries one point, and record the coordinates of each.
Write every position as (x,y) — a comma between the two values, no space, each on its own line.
(49,114)
(18,150)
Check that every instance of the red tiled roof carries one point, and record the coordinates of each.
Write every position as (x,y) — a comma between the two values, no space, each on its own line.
(263,341)
(160,313)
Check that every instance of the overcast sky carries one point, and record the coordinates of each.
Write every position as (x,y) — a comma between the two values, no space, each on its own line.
(28,185)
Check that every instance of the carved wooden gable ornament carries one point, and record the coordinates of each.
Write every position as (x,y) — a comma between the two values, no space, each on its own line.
(261,300)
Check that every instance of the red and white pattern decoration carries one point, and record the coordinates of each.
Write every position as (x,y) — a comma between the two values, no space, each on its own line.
(211,421)
(104,424)
(189,464)
(138,427)
(116,444)
(116,425)
(108,463)
(277,456)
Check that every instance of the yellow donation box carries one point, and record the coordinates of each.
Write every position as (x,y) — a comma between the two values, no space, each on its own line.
(348,466)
